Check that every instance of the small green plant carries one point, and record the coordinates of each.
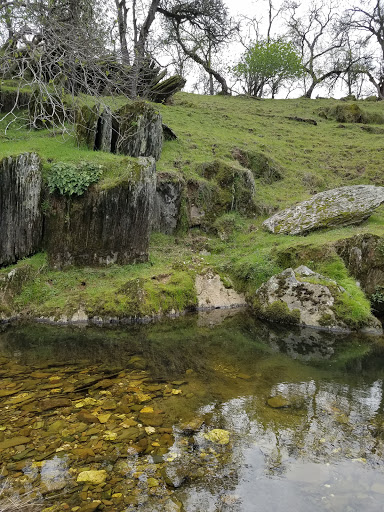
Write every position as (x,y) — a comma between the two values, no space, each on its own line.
(69,179)
(378,296)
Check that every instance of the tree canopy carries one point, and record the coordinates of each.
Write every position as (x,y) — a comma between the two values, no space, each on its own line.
(269,64)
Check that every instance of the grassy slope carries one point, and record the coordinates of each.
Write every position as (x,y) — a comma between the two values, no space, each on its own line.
(313,158)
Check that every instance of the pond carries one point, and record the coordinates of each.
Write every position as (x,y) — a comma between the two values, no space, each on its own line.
(199,414)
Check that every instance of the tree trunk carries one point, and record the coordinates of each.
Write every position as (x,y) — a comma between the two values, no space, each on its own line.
(193,55)
(308,93)
(122,13)
(140,46)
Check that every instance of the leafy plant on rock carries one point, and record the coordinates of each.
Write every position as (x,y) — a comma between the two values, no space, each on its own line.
(69,179)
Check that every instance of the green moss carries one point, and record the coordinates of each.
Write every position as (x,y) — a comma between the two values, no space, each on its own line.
(351,113)
(277,312)
(236,186)
(326,320)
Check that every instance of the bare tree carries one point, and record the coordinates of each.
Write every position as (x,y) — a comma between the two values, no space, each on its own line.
(368,18)
(122,22)
(319,38)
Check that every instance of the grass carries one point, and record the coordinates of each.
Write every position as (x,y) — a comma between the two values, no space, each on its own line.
(309,159)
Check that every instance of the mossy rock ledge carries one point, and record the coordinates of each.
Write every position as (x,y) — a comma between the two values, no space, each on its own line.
(338,207)
(21,224)
(306,298)
(105,225)
(363,255)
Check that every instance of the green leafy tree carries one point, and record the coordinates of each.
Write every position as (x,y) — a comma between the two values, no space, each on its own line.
(268,64)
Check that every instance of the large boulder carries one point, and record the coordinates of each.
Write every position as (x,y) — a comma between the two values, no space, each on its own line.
(135,129)
(21,221)
(304,297)
(338,207)
(108,224)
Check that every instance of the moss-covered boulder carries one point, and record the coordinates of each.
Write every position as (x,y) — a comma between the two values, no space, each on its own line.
(20,207)
(263,167)
(350,113)
(334,208)
(223,188)
(134,129)
(110,223)
(237,185)
(304,297)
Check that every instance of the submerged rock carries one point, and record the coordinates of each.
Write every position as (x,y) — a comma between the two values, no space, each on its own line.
(21,221)
(93,477)
(278,402)
(303,297)
(105,225)
(217,436)
(338,207)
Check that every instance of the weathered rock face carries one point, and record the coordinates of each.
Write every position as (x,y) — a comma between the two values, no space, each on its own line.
(135,129)
(212,294)
(363,255)
(10,99)
(166,214)
(20,209)
(104,226)
(338,207)
(303,297)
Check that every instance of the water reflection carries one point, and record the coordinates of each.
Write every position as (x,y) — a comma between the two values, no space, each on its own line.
(137,406)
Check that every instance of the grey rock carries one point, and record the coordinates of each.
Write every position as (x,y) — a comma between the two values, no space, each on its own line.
(166,211)
(135,129)
(21,222)
(338,207)
(306,298)
(363,256)
(104,226)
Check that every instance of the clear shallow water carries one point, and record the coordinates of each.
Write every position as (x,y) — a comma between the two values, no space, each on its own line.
(137,403)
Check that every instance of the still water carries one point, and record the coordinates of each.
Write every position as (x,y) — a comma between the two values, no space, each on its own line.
(200,414)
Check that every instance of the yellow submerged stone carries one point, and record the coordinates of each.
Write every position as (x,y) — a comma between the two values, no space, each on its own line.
(218,436)
(93,477)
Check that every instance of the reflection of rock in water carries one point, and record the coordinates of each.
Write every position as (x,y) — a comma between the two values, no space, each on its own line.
(304,343)
(215,317)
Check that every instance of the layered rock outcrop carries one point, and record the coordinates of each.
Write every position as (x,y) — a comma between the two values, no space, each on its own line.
(363,256)
(135,129)
(21,221)
(106,225)
(167,203)
(304,297)
(338,207)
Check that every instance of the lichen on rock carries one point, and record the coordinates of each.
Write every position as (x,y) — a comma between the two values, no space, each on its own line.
(212,294)
(304,297)
(338,207)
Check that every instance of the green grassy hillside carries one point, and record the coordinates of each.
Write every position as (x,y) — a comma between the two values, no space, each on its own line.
(295,149)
